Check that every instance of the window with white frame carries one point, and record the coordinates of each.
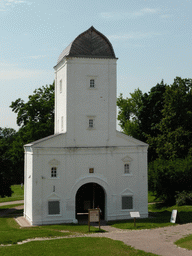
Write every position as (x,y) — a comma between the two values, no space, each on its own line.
(60,86)
(92,83)
(126,168)
(127,202)
(54,172)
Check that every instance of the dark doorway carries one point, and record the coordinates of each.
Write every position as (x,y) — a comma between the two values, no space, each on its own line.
(90,196)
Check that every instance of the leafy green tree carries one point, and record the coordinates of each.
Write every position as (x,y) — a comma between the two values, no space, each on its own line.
(129,109)
(168,178)
(150,116)
(175,134)
(36,121)
(36,117)
(7,136)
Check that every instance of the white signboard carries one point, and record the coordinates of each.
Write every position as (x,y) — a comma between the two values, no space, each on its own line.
(135,214)
(173,216)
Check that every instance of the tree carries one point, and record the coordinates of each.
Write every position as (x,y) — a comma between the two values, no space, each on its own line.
(129,109)
(175,135)
(150,116)
(7,136)
(36,117)
(168,178)
(36,121)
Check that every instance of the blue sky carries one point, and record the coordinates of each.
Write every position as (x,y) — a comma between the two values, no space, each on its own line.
(151,38)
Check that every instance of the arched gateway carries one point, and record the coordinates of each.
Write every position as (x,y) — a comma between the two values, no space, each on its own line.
(89,196)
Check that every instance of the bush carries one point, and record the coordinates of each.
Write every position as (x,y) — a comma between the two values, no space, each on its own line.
(184,198)
(167,177)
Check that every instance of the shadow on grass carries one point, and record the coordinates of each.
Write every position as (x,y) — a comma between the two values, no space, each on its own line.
(10,213)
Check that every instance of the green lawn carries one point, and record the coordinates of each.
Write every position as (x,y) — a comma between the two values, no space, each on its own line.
(11,233)
(18,194)
(159,217)
(185,242)
(151,198)
(85,246)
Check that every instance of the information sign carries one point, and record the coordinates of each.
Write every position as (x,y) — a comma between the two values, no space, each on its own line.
(135,214)
(94,216)
(173,216)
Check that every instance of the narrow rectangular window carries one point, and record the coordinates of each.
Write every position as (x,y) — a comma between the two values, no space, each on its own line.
(54,207)
(61,86)
(90,123)
(54,172)
(92,83)
(126,168)
(127,202)
(62,123)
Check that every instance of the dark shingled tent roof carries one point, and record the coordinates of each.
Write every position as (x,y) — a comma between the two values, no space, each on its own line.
(89,44)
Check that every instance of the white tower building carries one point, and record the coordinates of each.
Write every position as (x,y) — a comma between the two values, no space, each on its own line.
(86,162)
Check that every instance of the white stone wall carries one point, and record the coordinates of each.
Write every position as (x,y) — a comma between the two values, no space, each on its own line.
(28,182)
(82,102)
(73,172)
(61,98)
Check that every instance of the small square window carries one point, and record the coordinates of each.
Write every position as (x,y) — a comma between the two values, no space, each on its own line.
(53,172)
(127,202)
(126,168)
(90,123)
(91,170)
(92,83)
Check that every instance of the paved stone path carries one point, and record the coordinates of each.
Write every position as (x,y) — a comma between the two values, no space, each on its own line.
(12,202)
(159,241)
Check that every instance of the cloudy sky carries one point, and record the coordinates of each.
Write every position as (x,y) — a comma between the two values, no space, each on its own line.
(151,38)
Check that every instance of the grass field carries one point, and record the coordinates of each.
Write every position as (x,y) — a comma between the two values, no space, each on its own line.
(85,246)
(11,233)
(18,194)
(185,242)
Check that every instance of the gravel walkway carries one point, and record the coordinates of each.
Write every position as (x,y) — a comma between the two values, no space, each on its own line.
(159,241)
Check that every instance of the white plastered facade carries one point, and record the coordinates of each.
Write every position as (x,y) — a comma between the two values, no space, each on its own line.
(75,148)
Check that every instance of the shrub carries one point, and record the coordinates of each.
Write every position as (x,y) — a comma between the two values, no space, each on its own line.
(166,177)
(184,198)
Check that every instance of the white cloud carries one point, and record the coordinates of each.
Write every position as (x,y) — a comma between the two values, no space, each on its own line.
(130,15)
(4,4)
(134,35)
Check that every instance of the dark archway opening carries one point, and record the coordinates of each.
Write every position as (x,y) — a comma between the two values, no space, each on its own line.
(89,196)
